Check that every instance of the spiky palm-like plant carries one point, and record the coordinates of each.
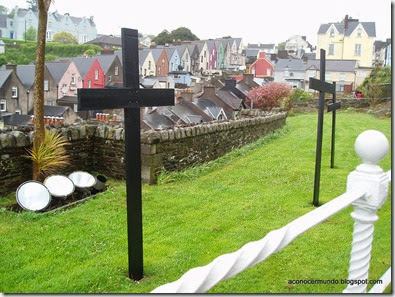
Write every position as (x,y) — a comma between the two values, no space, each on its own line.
(50,155)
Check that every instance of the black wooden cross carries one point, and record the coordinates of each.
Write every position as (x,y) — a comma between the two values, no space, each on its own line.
(323,87)
(131,98)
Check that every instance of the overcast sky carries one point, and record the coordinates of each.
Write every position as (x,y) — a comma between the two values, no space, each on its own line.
(253,20)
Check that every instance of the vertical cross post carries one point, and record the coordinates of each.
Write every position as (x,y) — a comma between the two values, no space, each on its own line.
(132,159)
(320,126)
(332,107)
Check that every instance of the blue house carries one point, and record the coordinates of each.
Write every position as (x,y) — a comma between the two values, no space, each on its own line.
(181,77)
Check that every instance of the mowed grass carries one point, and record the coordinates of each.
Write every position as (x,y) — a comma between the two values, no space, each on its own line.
(203,213)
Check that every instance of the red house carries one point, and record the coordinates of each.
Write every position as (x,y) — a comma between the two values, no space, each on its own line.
(91,72)
(262,67)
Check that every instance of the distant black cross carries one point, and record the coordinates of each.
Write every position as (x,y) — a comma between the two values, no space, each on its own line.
(131,98)
(323,87)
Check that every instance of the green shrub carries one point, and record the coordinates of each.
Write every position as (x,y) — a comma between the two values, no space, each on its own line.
(300,94)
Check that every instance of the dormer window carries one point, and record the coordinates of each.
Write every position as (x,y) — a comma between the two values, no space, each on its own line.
(96,74)
(116,70)
(359,32)
(14,92)
(286,71)
(73,79)
(332,33)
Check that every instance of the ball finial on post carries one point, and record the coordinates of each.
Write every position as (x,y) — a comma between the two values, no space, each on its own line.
(372,147)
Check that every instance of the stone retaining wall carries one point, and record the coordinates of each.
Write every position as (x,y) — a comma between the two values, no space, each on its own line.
(101,148)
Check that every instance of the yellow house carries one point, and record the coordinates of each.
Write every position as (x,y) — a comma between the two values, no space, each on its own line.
(348,40)
(146,62)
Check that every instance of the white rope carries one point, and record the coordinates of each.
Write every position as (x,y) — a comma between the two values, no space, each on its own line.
(386,280)
(201,279)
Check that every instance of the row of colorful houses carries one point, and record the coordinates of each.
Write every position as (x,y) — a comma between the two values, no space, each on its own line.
(201,57)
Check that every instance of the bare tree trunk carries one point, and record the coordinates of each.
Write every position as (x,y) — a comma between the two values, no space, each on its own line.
(39,128)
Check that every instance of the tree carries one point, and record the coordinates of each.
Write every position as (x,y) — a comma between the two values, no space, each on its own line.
(32,4)
(268,96)
(39,128)
(30,34)
(12,13)
(3,9)
(281,46)
(163,38)
(65,37)
(377,84)
(183,34)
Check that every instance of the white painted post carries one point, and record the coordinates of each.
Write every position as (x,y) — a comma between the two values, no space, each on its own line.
(371,146)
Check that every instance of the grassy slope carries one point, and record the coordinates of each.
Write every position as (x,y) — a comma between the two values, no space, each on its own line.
(188,223)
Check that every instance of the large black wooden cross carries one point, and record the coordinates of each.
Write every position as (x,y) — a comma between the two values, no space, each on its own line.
(131,98)
(323,87)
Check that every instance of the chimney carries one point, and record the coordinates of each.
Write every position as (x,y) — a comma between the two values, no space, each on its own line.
(107,51)
(248,78)
(305,58)
(304,38)
(10,67)
(282,54)
(230,83)
(346,22)
(262,55)
(186,95)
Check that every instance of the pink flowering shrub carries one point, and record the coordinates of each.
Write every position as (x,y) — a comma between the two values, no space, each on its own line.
(268,96)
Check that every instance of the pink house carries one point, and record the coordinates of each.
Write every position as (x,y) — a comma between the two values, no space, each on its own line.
(212,49)
(67,77)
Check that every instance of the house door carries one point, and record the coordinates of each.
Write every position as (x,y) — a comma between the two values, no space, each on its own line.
(12,35)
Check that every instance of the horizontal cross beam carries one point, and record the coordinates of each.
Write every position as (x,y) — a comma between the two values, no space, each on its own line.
(322,86)
(93,99)
(334,106)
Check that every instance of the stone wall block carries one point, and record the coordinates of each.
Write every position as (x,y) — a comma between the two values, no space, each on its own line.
(171,135)
(74,133)
(90,130)
(164,135)
(83,132)
(153,137)
(118,134)
(7,140)
(21,138)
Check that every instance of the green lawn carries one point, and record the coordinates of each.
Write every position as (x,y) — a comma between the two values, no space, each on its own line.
(203,213)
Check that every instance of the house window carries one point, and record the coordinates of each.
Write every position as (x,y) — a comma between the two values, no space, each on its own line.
(171,66)
(18,111)
(268,72)
(163,62)
(96,74)
(14,92)
(359,32)
(342,76)
(331,49)
(84,38)
(149,65)
(286,72)
(332,33)
(49,35)
(201,59)
(46,85)
(159,70)
(204,53)
(64,89)
(116,70)
(49,103)
(109,78)
(73,79)
(76,107)
(3,105)
(145,72)
(328,76)
(357,51)
(89,84)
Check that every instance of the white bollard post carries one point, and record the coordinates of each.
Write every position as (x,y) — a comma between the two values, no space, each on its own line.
(371,146)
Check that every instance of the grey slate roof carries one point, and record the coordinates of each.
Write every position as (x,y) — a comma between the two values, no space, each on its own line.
(203,103)
(148,82)
(309,56)
(83,64)
(191,48)
(4,75)
(244,88)
(57,69)
(26,75)
(143,53)
(181,49)
(370,28)
(156,52)
(229,99)
(251,52)
(261,46)
(106,61)
(17,120)
(334,65)
(156,120)
(53,111)
(107,39)
(292,64)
